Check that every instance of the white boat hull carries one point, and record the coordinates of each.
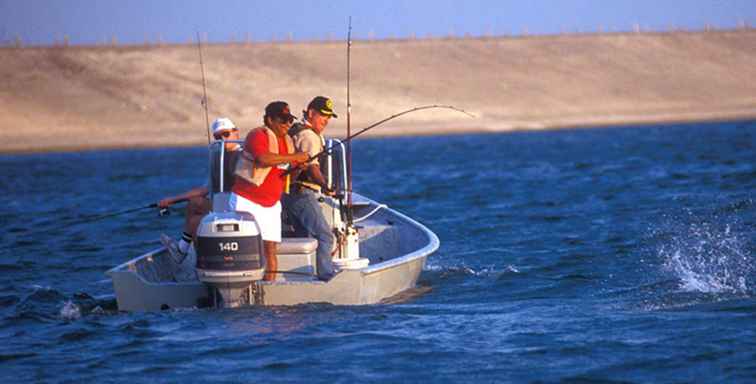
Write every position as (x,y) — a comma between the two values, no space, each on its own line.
(396,246)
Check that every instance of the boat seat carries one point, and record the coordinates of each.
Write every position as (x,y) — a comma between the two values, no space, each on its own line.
(297,255)
(297,245)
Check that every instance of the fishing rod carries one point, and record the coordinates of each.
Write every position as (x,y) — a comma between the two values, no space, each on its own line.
(163,212)
(204,87)
(349,126)
(350,137)
(394,116)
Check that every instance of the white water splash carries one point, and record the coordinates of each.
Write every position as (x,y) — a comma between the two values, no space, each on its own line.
(481,271)
(449,269)
(70,311)
(709,258)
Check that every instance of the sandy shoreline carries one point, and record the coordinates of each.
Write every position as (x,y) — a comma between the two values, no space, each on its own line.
(78,98)
(398,130)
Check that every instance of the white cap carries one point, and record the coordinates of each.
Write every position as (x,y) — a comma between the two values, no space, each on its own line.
(222,124)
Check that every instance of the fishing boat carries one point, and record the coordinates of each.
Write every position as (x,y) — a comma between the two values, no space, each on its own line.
(379,254)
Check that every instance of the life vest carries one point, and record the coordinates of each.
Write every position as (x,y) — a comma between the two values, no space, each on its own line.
(248,169)
(296,128)
(303,178)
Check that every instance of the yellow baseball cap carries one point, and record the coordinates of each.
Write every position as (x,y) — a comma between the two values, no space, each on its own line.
(323,105)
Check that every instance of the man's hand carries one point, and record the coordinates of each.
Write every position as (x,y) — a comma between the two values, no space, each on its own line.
(327,191)
(165,203)
(301,157)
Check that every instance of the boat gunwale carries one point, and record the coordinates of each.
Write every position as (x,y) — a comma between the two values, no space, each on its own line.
(124,268)
(433,244)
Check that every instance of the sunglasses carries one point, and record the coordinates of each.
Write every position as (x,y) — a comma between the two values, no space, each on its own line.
(285,119)
(225,134)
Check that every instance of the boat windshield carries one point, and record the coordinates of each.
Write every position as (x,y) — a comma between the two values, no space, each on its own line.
(334,166)
(221,157)
(222,160)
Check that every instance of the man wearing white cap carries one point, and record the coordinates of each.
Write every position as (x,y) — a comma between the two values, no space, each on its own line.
(198,202)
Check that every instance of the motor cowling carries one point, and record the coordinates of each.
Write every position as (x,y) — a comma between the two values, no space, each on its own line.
(229,255)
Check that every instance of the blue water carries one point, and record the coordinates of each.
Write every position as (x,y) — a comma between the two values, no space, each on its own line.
(622,254)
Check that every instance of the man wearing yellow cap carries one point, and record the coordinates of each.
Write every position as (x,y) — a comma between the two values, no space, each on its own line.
(301,204)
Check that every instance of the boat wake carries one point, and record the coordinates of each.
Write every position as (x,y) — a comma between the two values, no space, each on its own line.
(46,304)
(446,271)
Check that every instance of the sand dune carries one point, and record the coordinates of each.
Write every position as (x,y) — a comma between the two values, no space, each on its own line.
(99,97)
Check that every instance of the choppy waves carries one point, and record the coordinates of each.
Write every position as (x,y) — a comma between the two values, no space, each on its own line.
(576,255)
(711,254)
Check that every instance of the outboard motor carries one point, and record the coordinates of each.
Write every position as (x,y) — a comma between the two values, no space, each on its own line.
(230,256)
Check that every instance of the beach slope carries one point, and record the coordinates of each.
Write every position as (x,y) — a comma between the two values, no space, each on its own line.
(71,98)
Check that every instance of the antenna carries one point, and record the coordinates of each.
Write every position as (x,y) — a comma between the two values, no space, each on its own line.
(204,87)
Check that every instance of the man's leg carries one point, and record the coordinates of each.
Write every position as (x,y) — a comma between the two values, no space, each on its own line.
(269,220)
(196,209)
(307,213)
(271,259)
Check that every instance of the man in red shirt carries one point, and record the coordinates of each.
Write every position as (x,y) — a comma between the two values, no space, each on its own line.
(268,152)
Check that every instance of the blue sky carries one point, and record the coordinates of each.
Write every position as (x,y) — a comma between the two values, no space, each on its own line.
(96,21)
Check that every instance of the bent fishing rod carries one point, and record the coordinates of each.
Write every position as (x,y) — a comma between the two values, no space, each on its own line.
(350,137)
(394,116)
